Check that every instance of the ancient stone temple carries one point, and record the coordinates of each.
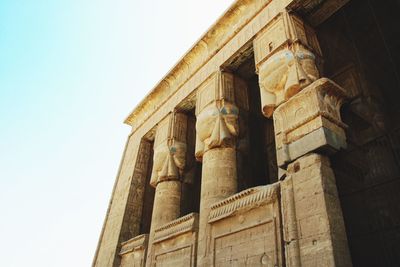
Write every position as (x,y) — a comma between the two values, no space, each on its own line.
(275,141)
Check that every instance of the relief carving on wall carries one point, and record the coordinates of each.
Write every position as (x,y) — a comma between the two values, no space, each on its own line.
(309,121)
(245,228)
(287,56)
(217,111)
(169,148)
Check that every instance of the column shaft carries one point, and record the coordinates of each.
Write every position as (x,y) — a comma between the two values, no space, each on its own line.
(218,181)
(166,203)
(169,163)
(306,113)
(217,131)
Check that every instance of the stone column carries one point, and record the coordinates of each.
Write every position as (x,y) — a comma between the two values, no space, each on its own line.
(308,126)
(168,165)
(217,127)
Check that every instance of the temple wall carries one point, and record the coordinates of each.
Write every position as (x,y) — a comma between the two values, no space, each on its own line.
(246,229)
(176,242)
(294,221)
(107,252)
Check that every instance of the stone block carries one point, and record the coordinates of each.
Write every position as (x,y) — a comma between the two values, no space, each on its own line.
(314,231)
(175,243)
(133,251)
(286,55)
(310,121)
(245,229)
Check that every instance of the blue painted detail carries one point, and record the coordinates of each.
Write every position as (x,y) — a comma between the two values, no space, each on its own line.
(172,149)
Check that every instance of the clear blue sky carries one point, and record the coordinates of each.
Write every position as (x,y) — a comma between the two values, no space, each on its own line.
(70,72)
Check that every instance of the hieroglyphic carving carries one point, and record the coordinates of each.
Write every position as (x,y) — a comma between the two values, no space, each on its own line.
(310,120)
(287,54)
(134,205)
(169,148)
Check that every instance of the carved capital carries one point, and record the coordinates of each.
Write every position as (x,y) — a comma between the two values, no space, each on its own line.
(287,54)
(169,149)
(217,110)
(310,121)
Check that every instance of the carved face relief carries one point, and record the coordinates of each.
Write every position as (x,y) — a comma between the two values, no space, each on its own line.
(169,149)
(169,162)
(284,74)
(216,127)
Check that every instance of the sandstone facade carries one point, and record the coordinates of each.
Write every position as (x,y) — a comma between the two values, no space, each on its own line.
(237,157)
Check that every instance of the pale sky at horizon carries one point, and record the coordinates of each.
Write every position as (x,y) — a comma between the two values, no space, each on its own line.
(70,72)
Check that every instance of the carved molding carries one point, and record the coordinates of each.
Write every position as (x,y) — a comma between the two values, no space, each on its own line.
(249,198)
(177,227)
(210,43)
(169,148)
(249,17)
(287,54)
(136,243)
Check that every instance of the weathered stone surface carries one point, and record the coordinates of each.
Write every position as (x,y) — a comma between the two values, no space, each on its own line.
(245,229)
(134,207)
(169,163)
(217,129)
(286,54)
(175,243)
(314,232)
(218,102)
(294,222)
(133,251)
(169,148)
(218,182)
(309,121)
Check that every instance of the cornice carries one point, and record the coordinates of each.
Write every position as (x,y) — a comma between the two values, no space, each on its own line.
(233,19)
(249,198)
(138,242)
(179,226)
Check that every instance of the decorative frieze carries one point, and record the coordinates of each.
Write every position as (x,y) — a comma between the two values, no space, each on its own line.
(187,223)
(309,121)
(287,54)
(249,198)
